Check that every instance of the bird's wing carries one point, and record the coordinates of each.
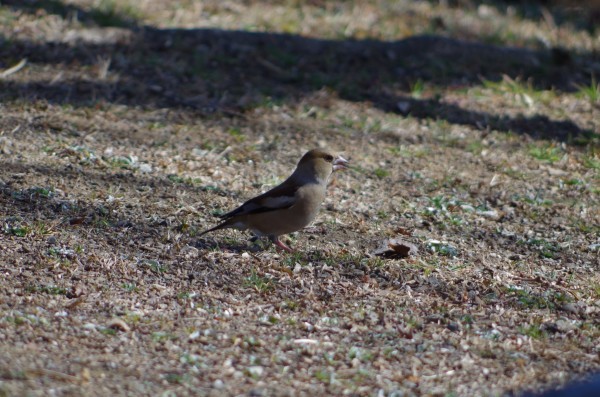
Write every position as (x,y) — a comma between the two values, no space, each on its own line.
(280,197)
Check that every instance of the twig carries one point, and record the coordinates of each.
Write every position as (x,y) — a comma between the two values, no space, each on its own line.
(53,374)
(14,69)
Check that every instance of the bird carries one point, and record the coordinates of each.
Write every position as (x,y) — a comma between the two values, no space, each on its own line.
(291,205)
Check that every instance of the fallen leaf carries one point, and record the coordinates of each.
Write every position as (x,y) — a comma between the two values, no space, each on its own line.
(396,248)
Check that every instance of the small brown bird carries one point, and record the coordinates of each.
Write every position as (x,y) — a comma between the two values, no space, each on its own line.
(290,206)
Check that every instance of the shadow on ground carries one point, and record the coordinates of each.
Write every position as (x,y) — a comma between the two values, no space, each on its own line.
(229,72)
(43,202)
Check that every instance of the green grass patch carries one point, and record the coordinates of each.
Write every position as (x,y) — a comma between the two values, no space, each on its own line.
(531,300)
(533,331)
(549,154)
(237,134)
(124,162)
(381,173)
(17,231)
(155,266)
(108,331)
(417,88)
(47,289)
(130,287)
(591,162)
(574,182)
(546,249)
(259,283)
(525,93)
(115,13)
(590,92)
(161,336)
(323,376)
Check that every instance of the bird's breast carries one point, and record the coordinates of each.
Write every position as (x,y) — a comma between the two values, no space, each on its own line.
(310,198)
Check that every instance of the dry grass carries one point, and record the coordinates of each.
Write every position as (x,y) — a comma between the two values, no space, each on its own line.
(474,133)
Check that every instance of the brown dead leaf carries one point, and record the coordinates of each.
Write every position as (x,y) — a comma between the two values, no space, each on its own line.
(396,248)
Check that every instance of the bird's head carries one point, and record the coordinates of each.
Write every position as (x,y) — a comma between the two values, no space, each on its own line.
(320,164)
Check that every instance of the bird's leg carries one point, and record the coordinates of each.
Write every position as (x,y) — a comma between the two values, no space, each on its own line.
(279,244)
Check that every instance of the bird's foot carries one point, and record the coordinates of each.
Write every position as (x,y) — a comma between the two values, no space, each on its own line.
(282,246)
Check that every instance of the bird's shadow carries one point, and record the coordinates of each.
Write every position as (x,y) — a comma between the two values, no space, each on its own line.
(253,245)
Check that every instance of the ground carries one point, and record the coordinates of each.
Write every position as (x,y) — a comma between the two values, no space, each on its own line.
(125,127)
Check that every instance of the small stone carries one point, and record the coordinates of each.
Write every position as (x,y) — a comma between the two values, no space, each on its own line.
(123,223)
(570,308)
(556,172)
(256,371)
(441,248)
(454,327)
(144,167)
(491,214)
(564,325)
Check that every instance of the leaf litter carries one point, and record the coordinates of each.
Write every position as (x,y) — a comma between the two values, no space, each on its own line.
(107,289)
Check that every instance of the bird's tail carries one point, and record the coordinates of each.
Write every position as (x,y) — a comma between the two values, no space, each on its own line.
(224,225)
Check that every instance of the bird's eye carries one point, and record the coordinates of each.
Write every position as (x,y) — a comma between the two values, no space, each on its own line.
(329,158)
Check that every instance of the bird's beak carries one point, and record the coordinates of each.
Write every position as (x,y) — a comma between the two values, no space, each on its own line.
(340,163)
